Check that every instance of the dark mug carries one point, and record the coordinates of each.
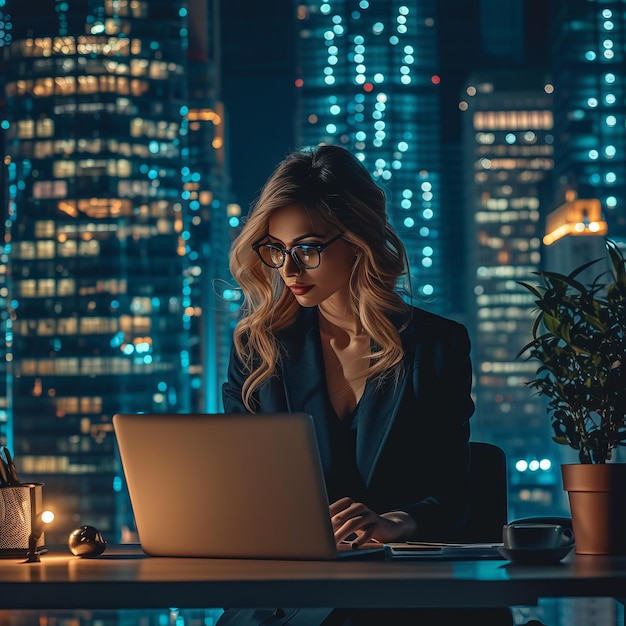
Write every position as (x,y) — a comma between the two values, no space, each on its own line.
(536,536)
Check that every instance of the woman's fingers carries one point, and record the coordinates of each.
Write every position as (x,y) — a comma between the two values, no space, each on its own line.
(349,517)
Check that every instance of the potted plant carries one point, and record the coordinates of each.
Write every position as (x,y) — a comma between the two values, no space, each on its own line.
(579,340)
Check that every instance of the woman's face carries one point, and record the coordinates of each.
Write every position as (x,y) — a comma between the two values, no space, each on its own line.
(293,225)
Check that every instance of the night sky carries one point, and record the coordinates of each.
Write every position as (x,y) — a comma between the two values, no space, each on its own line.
(258,89)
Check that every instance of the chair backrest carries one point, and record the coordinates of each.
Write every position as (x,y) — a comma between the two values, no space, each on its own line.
(488,493)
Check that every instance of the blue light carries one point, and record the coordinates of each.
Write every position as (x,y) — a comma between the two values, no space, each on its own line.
(428,290)
(409,222)
(117,484)
(5,124)
(590,55)
(233,222)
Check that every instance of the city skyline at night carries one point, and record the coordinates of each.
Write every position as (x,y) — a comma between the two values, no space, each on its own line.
(136,133)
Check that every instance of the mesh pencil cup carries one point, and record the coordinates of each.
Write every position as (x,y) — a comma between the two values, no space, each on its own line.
(19,507)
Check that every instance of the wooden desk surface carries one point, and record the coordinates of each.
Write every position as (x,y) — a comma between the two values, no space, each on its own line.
(124,578)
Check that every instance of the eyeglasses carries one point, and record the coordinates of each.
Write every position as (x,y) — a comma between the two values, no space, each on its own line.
(305,255)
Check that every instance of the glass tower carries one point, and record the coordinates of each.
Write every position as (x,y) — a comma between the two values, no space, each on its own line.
(508,159)
(367,75)
(589,61)
(115,202)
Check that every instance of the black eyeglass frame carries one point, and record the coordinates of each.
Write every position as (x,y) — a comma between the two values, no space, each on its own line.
(319,247)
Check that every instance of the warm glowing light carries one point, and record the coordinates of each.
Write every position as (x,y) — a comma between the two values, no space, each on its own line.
(575,217)
(47,517)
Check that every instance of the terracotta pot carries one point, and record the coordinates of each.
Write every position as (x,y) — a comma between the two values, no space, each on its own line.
(597,497)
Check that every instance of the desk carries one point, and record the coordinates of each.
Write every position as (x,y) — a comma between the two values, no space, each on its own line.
(123,578)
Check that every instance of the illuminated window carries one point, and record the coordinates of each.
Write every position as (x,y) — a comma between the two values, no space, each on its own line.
(25,129)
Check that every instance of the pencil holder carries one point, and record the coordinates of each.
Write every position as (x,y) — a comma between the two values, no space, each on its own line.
(19,507)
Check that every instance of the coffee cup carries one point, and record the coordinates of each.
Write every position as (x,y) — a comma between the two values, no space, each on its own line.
(536,536)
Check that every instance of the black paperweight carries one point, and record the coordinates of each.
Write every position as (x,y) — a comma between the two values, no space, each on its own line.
(86,541)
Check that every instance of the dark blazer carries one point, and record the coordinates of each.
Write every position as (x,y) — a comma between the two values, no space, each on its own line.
(412,436)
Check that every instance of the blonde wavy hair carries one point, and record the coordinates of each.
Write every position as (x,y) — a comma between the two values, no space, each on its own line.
(333,182)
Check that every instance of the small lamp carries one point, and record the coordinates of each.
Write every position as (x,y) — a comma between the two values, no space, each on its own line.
(43,519)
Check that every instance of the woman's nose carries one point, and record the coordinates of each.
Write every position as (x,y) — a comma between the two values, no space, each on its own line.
(290,267)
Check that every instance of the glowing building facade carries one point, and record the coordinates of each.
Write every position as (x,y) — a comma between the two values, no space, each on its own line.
(116,211)
(367,74)
(589,70)
(508,157)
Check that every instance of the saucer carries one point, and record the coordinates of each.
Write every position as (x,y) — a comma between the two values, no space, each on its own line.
(530,556)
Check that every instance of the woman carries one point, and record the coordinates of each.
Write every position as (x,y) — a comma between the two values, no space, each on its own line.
(324,331)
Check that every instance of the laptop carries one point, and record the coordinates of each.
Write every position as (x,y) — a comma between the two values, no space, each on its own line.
(228,486)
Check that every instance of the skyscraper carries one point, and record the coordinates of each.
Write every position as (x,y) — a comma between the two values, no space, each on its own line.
(116,200)
(368,80)
(589,60)
(508,158)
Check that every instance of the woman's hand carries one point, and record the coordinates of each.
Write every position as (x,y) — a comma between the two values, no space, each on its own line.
(350,517)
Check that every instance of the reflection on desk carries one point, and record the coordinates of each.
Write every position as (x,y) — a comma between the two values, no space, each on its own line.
(124,578)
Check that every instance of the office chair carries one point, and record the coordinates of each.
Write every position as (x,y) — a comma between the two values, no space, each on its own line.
(488,494)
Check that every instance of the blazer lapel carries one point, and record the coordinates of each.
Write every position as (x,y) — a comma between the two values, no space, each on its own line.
(304,378)
(380,405)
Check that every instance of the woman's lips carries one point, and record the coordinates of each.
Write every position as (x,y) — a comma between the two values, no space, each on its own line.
(300,290)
